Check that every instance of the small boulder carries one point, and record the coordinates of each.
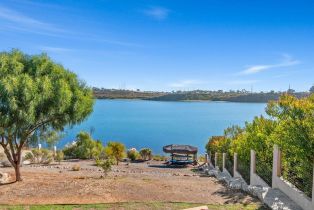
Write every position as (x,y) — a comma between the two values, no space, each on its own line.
(6,163)
(4,177)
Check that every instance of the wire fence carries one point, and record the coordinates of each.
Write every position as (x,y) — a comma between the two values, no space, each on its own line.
(229,163)
(298,172)
(243,168)
(264,168)
(212,158)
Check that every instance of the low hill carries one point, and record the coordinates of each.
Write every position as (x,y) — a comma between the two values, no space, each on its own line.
(196,95)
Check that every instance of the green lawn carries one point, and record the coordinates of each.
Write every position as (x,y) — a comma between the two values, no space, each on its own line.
(132,206)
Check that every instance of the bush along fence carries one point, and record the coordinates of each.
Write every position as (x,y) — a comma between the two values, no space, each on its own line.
(269,174)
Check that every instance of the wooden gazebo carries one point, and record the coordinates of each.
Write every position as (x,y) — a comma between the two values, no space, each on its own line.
(181,154)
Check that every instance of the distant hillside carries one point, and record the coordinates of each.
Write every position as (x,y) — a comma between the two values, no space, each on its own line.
(196,95)
(124,94)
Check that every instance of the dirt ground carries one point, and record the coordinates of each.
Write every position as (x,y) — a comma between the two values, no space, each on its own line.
(146,181)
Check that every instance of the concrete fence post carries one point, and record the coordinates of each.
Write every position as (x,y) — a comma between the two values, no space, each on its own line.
(253,162)
(223,161)
(235,163)
(54,150)
(252,165)
(216,159)
(276,165)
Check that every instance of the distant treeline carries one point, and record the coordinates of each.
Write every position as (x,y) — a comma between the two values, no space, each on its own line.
(195,95)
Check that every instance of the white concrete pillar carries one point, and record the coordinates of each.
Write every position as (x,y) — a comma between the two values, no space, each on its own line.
(235,163)
(216,159)
(276,165)
(223,161)
(252,166)
(253,162)
(54,150)
(39,146)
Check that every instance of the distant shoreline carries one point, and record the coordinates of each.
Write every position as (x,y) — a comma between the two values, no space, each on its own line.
(140,99)
(194,96)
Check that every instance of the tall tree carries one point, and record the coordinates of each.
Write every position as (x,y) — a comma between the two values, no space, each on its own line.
(37,94)
(312,89)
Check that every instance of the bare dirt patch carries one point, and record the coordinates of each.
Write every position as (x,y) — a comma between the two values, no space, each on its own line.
(148,181)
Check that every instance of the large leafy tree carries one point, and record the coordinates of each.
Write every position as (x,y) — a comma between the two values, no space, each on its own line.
(37,94)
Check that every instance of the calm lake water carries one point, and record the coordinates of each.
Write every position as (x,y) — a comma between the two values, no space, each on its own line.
(153,124)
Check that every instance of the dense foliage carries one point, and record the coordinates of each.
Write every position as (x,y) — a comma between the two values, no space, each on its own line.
(132,154)
(290,124)
(115,151)
(146,153)
(84,147)
(39,156)
(37,94)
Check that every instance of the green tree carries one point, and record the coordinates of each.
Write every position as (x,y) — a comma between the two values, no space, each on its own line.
(146,153)
(132,154)
(37,94)
(294,135)
(312,89)
(115,150)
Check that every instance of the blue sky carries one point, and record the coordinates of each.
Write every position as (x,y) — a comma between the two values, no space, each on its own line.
(169,44)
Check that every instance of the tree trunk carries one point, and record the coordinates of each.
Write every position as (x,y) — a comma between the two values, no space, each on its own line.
(17,165)
(17,173)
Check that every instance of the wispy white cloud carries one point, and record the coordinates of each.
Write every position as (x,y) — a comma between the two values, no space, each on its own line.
(25,21)
(242,82)
(158,13)
(55,49)
(286,61)
(186,83)
(113,42)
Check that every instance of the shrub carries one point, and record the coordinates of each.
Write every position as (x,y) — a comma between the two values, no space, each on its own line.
(59,156)
(76,167)
(132,154)
(84,148)
(39,156)
(115,150)
(159,158)
(69,150)
(105,165)
(146,154)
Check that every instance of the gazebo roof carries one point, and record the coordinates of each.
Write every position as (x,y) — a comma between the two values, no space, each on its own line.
(180,149)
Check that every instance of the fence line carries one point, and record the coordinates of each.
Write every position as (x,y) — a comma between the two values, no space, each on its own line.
(257,172)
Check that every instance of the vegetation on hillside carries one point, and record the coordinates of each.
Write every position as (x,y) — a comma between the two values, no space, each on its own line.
(195,95)
(290,125)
